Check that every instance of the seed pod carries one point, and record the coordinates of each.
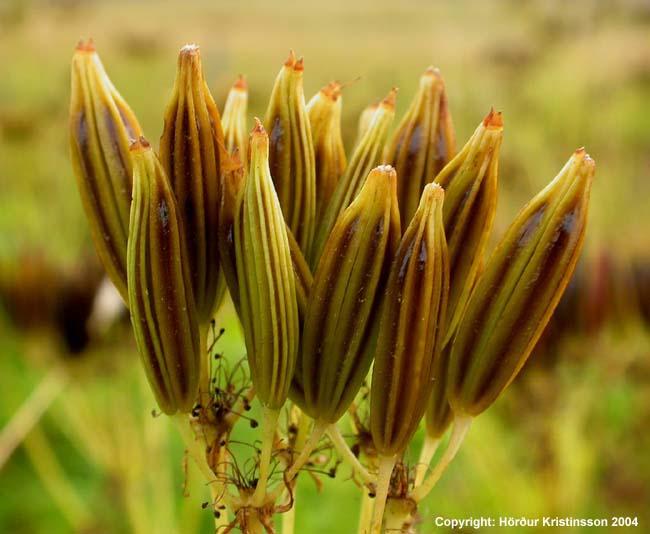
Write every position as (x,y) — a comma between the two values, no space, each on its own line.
(365,118)
(438,415)
(366,156)
(337,341)
(470,184)
(235,130)
(325,117)
(411,327)
(522,283)
(162,306)
(232,186)
(291,152)
(102,127)
(193,154)
(423,143)
(267,291)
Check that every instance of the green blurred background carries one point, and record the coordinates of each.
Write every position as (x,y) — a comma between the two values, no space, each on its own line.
(570,437)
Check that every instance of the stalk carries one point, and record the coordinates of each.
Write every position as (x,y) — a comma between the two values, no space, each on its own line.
(320,427)
(269,425)
(461,426)
(343,449)
(365,517)
(386,464)
(429,448)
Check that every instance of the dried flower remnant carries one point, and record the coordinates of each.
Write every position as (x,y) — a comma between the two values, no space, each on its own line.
(366,156)
(343,309)
(423,143)
(325,117)
(521,286)
(101,128)
(470,184)
(233,120)
(411,327)
(193,154)
(291,152)
(160,291)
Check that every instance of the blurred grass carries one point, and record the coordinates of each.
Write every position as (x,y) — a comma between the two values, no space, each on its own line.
(565,75)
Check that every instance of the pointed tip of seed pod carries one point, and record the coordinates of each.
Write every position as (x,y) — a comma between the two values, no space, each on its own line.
(140,145)
(332,90)
(189,49)
(494,119)
(433,71)
(386,170)
(434,190)
(299,65)
(291,60)
(391,98)
(86,46)
(580,154)
(258,129)
(241,83)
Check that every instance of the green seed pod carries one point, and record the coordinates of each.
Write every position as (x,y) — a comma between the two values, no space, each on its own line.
(366,156)
(411,327)
(235,130)
(325,117)
(162,306)
(338,334)
(291,152)
(470,184)
(193,154)
(267,289)
(519,289)
(423,143)
(102,127)
(438,415)
(365,118)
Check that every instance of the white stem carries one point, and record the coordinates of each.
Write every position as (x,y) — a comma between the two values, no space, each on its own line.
(429,448)
(461,426)
(269,425)
(386,464)
(316,434)
(343,449)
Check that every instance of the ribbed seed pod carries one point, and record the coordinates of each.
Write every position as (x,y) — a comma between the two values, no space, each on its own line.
(365,118)
(162,306)
(267,292)
(193,154)
(423,143)
(231,189)
(438,415)
(342,313)
(470,184)
(411,328)
(291,152)
(522,283)
(325,117)
(235,130)
(102,127)
(366,156)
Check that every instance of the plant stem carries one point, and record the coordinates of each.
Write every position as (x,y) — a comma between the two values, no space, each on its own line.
(30,412)
(343,449)
(429,448)
(386,464)
(54,479)
(461,426)
(398,514)
(365,517)
(269,425)
(289,518)
(316,434)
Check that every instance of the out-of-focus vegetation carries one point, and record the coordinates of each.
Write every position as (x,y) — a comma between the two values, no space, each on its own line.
(571,435)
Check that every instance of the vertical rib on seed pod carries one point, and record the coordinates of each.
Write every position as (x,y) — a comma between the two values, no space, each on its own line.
(267,294)
(423,143)
(102,127)
(325,117)
(291,152)
(366,156)
(160,290)
(521,285)
(235,130)
(343,305)
(193,155)
(470,184)
(410,336)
